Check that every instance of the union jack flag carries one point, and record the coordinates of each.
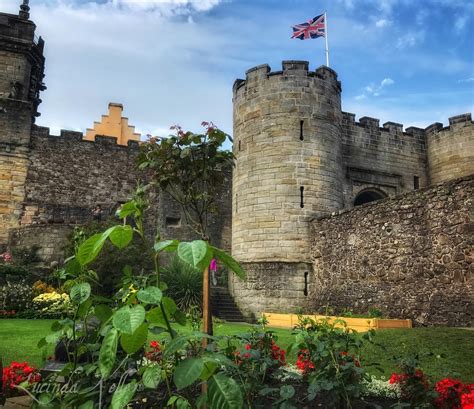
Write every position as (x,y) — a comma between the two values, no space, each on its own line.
(314,28)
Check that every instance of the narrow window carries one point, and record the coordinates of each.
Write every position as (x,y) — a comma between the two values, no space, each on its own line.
(306,283)
(236,203)
(173,221)
(302,196)
(240,146)
(416,182)
(301,131)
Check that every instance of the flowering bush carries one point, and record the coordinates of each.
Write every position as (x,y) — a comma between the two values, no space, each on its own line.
(381,388)
(18,373)
(16,296)
(52,305)
(467,400)
(325,361)
(40,287)
(304,363)
(451,393)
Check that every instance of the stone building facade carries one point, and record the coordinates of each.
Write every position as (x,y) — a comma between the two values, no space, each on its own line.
(289,208)
(299,157)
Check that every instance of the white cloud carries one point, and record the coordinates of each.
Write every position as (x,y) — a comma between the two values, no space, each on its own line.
(374,90)
(410,39)
(470,79)
(461,22)
(382,23)
(167,5)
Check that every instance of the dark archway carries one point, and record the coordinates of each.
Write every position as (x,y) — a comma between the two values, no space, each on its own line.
(367,196)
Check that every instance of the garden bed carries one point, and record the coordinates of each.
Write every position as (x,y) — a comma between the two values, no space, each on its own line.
(357,324)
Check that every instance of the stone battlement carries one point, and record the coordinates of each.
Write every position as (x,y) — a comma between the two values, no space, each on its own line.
(454,121)
(289,68)
(102,140)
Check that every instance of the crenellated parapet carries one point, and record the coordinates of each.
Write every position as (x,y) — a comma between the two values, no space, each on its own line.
(450,149)
(78,137)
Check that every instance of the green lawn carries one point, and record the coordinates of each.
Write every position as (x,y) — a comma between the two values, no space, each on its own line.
(452,348)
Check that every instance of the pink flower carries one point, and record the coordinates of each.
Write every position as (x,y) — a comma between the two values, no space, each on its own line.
(7,257)
(213,265)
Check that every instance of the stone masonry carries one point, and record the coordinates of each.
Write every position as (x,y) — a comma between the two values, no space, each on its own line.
(410,256)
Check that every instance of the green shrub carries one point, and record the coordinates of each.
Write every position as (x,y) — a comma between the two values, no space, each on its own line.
(184,284)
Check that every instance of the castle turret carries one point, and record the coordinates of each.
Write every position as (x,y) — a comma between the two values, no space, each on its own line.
(21,80)
(450,149)
(287,144)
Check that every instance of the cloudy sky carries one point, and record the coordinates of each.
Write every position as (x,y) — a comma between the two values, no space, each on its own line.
(174,61)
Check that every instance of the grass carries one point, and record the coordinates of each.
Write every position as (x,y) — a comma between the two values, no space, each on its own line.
(452,348)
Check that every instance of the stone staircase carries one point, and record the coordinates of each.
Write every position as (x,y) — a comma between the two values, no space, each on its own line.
(223,305)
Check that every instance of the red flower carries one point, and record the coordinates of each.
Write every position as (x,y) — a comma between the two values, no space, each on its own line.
(17,373)
(304,362)
(154,344)
(248,347)
(467,400)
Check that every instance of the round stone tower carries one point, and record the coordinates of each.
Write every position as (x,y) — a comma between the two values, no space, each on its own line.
(287,144)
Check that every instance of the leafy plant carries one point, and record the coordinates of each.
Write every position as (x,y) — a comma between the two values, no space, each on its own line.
(106,338)
(329,358)
(184,284)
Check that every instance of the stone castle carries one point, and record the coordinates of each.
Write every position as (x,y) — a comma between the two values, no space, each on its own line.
(294,208)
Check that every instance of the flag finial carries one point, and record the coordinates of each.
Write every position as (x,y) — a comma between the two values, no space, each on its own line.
(25,10)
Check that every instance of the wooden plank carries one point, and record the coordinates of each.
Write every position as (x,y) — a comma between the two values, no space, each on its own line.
(358,324)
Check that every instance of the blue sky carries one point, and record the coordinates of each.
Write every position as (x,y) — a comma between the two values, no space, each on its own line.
(175,61)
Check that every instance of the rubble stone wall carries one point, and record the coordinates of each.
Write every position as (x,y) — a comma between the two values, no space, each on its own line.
(410,256)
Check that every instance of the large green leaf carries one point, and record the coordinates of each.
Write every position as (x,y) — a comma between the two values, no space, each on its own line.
(224,393)
(152,376)
(123,394)
(187,372)
(127,209)
(229,262)
(128,319)
(121,236)
(131,343)
(80,292)
(91,248)
(196,253)
(108,352)
(169,305)
(167,245)
(155,316)
(150,295)
(102,312)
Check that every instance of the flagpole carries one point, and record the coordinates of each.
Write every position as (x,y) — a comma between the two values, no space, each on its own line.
(326,37)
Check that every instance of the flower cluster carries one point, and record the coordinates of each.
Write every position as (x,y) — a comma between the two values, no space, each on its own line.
(451,394)
(413,385)
(6,313)
(6,257)
(17,373)
(154,354)
(52,304)
(304,362)
(40,287)
(467,400)
(274,352)
(381,388)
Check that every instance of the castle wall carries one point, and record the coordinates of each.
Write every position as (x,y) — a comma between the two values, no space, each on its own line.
(382,158)
(68,177)
(451,149)
(410,256)
(15,123)
(65,178)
